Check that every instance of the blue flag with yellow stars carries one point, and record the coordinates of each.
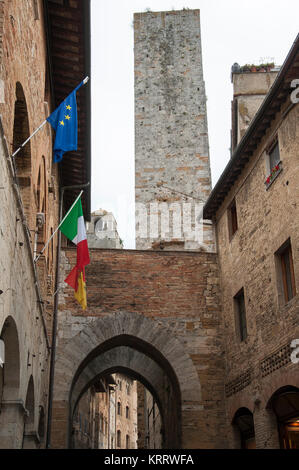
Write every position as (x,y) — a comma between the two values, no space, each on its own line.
(64,121)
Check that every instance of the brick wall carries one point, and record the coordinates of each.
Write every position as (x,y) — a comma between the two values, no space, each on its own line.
(179,292)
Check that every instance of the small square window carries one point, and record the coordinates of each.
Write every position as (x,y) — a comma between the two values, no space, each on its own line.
(286,271)
(240,311)
(232,219)
(273,163)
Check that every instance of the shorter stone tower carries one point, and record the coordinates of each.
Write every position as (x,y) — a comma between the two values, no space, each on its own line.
(251,84)
(102,231)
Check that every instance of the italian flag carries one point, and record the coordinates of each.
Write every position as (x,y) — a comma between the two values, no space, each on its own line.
(73,228)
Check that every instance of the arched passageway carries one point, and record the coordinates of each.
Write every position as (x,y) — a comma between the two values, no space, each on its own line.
(159,380)
(244,429)
(142,348)
(285,405)
(12,412)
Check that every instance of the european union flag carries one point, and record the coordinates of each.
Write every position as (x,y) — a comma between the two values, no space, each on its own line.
(64,121)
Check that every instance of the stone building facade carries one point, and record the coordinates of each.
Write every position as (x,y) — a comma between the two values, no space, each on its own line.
(24,193)
(125,412)
(254,207)
(93,422)
(211,335)
(173,177)
(106,415)
(29,198)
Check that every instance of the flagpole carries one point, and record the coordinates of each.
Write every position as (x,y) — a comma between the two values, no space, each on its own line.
(29,138)
(46,245)
(86,80)
(55,321)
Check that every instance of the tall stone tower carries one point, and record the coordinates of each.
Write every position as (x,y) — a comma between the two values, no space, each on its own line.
(172,179)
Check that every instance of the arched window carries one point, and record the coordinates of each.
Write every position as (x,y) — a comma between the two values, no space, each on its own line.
(23,159)
(127,412)
(119,408)
(127,441)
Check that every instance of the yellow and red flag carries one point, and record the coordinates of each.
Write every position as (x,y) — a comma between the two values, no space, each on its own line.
(73,228)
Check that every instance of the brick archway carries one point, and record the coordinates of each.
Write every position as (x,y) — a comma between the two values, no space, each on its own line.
(133,330)
(285,378)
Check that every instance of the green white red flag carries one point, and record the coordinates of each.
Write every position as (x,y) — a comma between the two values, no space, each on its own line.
(73,227)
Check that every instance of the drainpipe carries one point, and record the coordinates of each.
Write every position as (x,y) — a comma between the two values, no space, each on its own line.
(54,328)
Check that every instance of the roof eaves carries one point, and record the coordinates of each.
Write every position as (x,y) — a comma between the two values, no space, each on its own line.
(209,210)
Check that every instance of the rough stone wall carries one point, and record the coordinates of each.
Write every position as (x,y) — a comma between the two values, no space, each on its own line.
(149,421)
(171,135)
(266,219)
(178,291)
(82,424)
(154,423)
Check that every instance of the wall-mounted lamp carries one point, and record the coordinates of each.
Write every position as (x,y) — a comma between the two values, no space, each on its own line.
(40,219)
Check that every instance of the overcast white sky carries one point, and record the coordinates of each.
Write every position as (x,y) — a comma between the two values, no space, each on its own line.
(232,31)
